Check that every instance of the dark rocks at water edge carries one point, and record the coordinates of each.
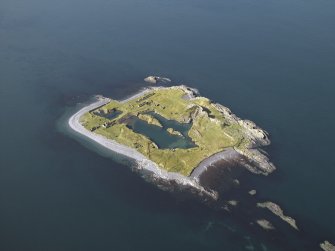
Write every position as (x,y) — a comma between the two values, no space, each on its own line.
(275,209)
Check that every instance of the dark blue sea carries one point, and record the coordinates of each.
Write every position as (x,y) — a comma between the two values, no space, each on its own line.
(272,62)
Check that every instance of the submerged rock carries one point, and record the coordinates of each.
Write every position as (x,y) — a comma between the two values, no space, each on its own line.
(156,79)
(327,246)
(252,192)
(233,202)
(275,209)
(265,224)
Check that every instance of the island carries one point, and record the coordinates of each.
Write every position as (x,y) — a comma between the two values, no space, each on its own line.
(174,133)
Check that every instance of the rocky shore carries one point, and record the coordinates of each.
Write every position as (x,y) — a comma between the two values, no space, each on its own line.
(258,162)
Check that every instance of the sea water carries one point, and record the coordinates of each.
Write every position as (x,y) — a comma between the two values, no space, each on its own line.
(269,61)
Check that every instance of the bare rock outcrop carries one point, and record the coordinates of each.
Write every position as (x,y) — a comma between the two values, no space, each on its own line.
(265,224)
(275,209)
(327,246)
(156,79)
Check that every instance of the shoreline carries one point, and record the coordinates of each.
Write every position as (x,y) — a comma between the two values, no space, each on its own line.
(227,154)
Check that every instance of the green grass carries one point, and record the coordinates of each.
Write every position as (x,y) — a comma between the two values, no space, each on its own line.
(210,130)
(149,119)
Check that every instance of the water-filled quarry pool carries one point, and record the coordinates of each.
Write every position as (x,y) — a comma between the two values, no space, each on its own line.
(160,135)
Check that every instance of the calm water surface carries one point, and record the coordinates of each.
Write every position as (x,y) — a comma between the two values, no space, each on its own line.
(270,61)
(160,136)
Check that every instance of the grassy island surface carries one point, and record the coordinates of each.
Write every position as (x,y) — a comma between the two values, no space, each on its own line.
(210,128)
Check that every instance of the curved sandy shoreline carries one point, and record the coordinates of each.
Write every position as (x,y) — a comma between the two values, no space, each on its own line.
(143,162)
